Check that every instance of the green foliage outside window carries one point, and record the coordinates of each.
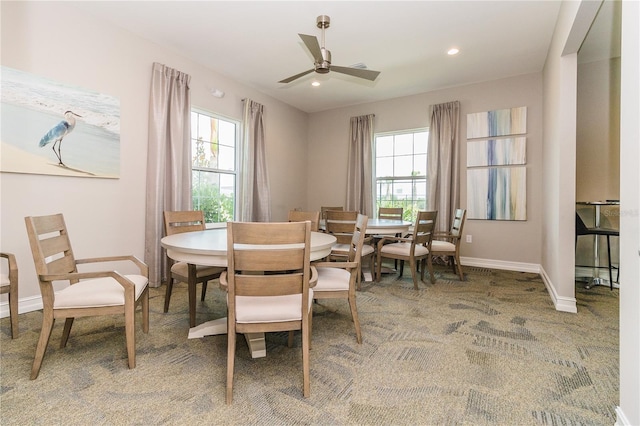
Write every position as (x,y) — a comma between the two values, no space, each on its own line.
(217,207)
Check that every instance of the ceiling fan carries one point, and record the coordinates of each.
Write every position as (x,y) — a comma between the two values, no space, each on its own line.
(322,57)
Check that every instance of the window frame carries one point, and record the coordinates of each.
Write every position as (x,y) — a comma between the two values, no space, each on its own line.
(408,214)
(236,166)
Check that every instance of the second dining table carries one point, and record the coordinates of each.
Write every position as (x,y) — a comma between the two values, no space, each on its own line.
(209,248)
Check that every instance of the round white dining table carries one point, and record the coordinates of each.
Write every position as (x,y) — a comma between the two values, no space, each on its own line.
(382,226)
(387,226)
(209,248)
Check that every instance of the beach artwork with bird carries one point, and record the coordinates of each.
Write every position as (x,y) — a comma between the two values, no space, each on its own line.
(56,129)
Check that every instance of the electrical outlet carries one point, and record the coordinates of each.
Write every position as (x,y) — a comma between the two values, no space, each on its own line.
(469,238)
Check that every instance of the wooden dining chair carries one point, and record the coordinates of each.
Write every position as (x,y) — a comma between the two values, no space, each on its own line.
(9,286)
(415,248)
(448,243)
(325,209)
(268,285)
(106,292)
(337,280)
(176,222)
(390,213)
(301,216)
(341,224)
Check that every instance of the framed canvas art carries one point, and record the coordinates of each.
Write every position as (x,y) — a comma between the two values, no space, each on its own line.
(52,128)
(501,122)
(497,193)
(497,152)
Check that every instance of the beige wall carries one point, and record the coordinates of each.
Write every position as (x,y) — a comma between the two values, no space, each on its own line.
(106,216)
(598,131)
(517,243)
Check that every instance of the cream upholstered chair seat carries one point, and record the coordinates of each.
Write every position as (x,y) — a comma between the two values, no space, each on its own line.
(437,245)
(404,249)
(332,279)
(182,269)
(367,250)
(270,309)
(84,294)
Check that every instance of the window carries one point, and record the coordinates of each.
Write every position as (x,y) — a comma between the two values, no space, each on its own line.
(214,167)
(401,171)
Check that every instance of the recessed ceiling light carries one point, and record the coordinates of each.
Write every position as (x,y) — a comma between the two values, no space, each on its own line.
(453,51)
(315,84)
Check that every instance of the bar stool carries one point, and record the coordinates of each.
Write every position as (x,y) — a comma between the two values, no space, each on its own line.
(581,229)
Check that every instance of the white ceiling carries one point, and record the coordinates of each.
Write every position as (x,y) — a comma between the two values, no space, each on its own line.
(256,42)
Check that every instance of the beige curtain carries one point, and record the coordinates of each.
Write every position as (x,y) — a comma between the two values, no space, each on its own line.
(168,160)
(443,180)
(359,168)
(255,197)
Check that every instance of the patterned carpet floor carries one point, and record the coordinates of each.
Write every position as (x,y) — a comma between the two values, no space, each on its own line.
(491,350)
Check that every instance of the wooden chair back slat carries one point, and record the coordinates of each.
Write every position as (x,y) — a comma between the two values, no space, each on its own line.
(301,216)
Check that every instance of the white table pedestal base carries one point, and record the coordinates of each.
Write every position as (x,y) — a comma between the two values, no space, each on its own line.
(255,341)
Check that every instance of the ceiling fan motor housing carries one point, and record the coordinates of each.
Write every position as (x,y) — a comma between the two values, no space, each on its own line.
(323,21)
(324,66)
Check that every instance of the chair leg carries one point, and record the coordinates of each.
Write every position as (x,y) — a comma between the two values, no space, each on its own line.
(13,313)
(414,273)
(130,333)
(145,310)
(43,341)
(459,266)
(167,294)
(290,339)
(609,255)
(430,267)
(65,332)
(354,315)
(192,294)
(378,268)
(306,342)
(204,291)
(231,354)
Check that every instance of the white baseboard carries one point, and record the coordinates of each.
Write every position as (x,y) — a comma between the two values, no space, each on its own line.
(621,419)
(563,304)
(28,304)
(500,264)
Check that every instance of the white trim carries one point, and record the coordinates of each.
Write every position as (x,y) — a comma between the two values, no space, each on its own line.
(29,304)
(621,419)
(563,304)
(500,264)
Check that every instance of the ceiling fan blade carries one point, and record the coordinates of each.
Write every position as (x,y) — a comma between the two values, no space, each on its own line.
(356,72)
(294,77)
(312,44)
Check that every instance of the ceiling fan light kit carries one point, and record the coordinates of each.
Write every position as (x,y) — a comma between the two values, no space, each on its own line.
(322,57)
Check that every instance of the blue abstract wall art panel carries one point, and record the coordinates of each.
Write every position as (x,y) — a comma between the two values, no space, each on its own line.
(501,122)
(497,152)
(497,193)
